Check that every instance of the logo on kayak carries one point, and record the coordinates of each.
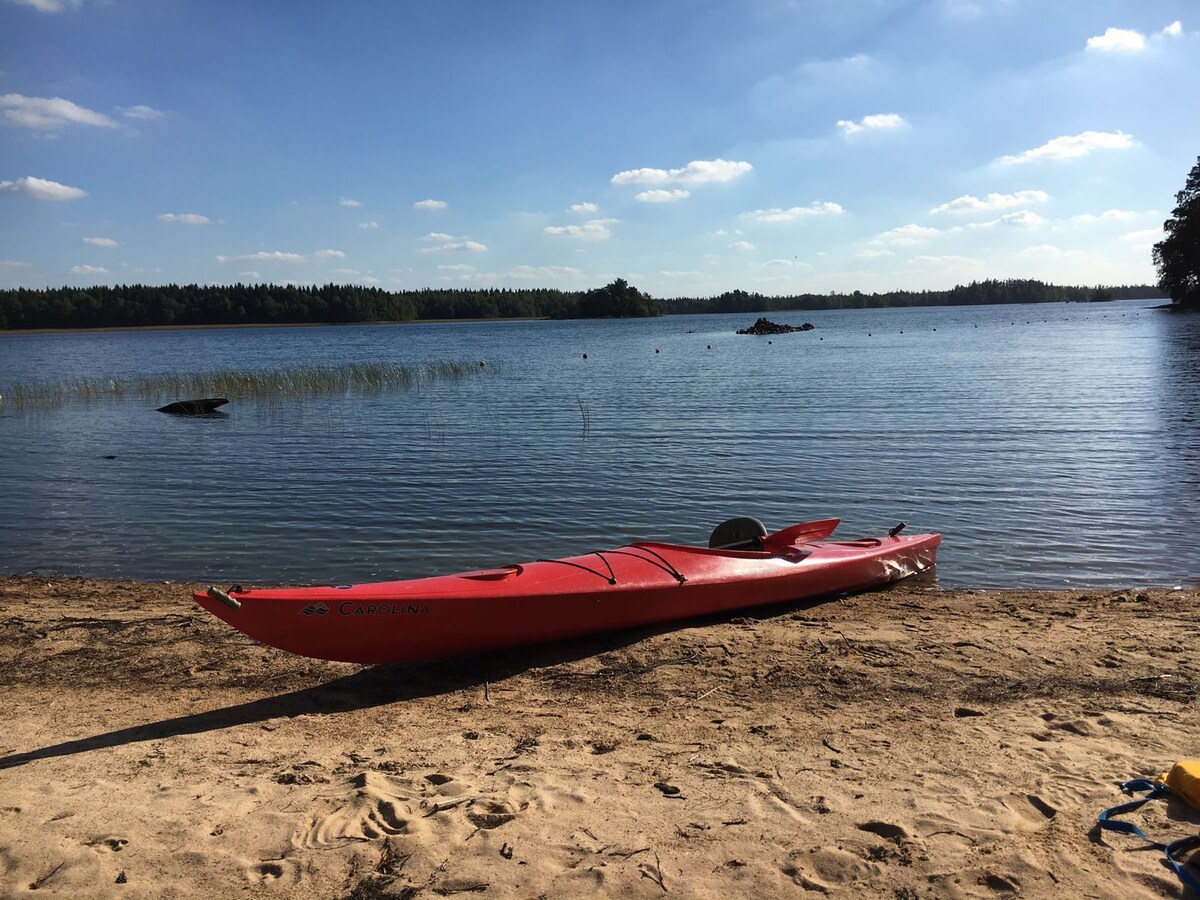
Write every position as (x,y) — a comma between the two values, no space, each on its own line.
(349,608)
(315,609)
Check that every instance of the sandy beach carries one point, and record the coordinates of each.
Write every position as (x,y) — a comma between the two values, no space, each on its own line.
(911,743)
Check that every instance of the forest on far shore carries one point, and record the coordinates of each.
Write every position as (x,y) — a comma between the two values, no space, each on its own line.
(135,305)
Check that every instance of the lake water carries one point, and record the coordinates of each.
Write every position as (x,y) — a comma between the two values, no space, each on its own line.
(1052,445)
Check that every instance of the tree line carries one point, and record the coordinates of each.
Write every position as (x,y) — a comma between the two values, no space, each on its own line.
(139,305)
(1012,290)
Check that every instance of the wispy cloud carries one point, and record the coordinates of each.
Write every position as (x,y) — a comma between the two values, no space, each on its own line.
(346,201)
(1073,146)
(584,209)
(101,242)
(184,218)
(368,226)
(50,6)
(662,195)
(1021,219)
(1109,215)
(47,113)
(700,171)
(141,111)
(430,204)
(969,204)
(591,230)
(878,122)
(13,264)
(88,270)
(281,256)
(1145,236)
(544,273)
(42,189)
(775,214)
(448,243)
(905,236)
(741,245)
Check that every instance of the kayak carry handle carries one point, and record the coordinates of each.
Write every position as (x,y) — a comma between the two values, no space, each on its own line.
(221,596)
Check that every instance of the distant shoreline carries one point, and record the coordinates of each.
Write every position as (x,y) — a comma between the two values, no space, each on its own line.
(477,319)
(239,325)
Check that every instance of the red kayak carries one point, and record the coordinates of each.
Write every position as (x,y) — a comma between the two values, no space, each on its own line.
(548,600)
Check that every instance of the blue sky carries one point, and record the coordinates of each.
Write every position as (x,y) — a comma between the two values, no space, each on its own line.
(689,146)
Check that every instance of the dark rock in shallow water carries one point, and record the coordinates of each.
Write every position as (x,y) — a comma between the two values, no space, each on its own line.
(766,326)
(193,407)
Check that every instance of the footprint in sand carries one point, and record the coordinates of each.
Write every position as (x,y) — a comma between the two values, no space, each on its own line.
(377,806)
(269,872)
(825,868)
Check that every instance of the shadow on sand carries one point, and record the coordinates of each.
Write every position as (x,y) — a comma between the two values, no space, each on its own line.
(382,685)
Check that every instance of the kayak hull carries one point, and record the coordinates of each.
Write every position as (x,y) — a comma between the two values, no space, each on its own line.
(549,600)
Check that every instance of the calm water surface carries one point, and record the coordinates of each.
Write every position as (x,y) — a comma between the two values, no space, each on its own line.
(1052,445)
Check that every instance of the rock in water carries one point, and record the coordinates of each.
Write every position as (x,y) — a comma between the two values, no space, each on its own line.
(766,326)
(193,407)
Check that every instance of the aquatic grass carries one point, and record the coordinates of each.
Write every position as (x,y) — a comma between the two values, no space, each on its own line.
(358,379)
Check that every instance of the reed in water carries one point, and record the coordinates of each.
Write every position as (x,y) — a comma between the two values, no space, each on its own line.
(244,384)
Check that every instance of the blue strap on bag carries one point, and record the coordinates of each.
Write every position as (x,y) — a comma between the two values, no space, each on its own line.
(1173,849)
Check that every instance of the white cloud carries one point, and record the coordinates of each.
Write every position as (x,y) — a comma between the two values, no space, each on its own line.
(1175,29)
(878,122)
(1074,146)
(741,245)
(253,276)
(88,270)
(786,264)
(1109,215)
(968,204)
(584,209)
(49,112)
(42,189)
(184,218)
(700,171)
(1117,40)
(943,262)
(1049,251)
(283,257)
(13,264)
(456,247)
(873,253)
(544,273)
(462,267)
(430,204)
(660,195)
(101,242)
(368,226)
(1021,219)
(591,230)
(1143,236)
(439,236)
(50,6)
(905,236)
(141,111)
(346,201)
(775,214)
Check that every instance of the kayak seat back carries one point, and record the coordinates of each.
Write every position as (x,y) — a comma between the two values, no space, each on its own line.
(741,533)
